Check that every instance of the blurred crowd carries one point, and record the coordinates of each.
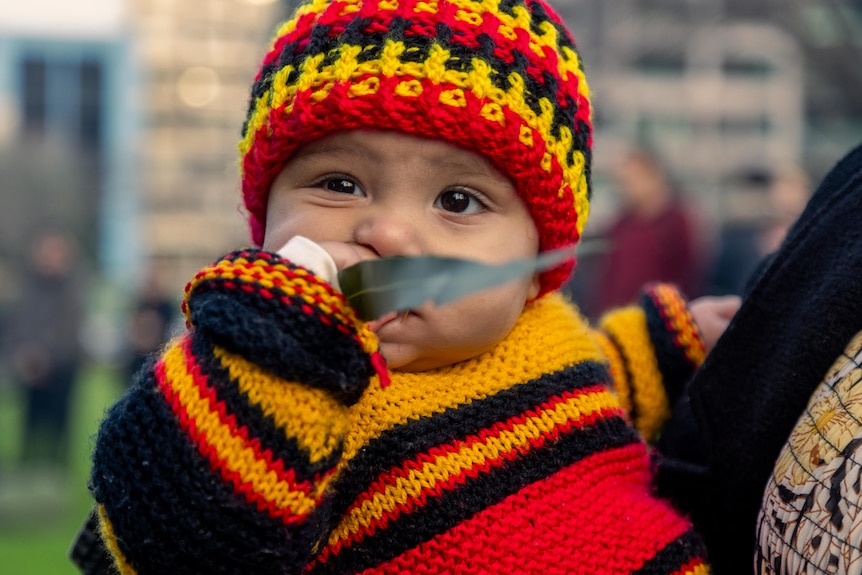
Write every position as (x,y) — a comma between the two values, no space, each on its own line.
(42,345)
(660,231)
(43,342)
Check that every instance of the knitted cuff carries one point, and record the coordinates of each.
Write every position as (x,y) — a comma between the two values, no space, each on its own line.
(625,341)
(284,318)
(678,344)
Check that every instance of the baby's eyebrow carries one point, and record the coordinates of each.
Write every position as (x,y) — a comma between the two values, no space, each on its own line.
(335,148)
(465,164)
(471,164)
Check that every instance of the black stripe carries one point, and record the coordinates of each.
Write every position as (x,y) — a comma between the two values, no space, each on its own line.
(445,512)
(581,137)
(674,555)
(407,441)
(539,15)
(88,552)
(633,409)
(251,416)
(507,6)
(170,511)
(672,362)
(326,41)
(280,337)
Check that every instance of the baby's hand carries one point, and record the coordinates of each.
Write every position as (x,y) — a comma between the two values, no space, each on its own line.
(325,259)
(712,314)
(346,254)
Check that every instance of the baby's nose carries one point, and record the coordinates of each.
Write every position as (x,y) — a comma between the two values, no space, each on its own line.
(388,233)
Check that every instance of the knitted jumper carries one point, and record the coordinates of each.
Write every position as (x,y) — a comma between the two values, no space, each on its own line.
(270,439)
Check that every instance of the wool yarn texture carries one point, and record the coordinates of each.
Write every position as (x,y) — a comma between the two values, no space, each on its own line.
(501,78)
(264,441)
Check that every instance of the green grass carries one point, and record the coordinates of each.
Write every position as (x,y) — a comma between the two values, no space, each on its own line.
(41,510)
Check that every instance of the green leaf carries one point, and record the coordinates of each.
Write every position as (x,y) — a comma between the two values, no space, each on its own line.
(377,287)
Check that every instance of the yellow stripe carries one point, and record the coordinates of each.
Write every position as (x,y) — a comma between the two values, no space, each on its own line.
(261,113)
(628,328)
(281,92)
(430,6)
(621,384)
(581,192)
(310,416)
(445,466)
(109,538)
(549,336)
(232,450)
(699,569)
(682,323)
(263,104)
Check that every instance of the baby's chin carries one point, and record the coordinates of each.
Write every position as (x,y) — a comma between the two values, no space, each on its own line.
(409,343)
(376,324)
(413,364)
(406,358)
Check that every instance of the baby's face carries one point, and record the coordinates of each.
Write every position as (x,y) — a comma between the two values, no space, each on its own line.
(387,194)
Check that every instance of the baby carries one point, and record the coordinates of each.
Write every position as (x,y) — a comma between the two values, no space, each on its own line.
(495,434)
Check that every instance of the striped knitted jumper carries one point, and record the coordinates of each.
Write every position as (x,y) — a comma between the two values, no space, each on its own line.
(269,439)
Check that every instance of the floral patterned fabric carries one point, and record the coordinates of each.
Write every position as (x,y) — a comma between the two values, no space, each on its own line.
(811,519)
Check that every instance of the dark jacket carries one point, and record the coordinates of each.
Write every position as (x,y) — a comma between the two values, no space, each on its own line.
(799,311)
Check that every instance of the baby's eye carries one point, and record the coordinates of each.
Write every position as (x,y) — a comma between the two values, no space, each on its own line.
(459,202)
(341,185)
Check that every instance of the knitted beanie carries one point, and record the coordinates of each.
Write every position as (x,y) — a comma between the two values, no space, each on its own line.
(499,77)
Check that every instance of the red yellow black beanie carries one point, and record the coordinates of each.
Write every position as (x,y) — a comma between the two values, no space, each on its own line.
(500,77)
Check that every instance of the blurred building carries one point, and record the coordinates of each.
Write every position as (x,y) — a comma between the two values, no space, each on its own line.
(157,90)
(722,87)
(146,99)
(198,60)
(66,125)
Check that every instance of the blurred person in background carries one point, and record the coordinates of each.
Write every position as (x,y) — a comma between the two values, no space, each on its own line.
(149,324)
(786,198)
(651,239)
(42,347)
(756,227)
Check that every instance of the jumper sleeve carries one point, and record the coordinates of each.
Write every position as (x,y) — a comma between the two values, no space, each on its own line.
(652,350)
(219,457)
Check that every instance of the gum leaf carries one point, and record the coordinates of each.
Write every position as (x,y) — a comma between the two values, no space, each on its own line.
(377,287)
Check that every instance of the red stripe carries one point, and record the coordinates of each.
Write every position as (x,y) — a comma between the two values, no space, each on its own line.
(199,437)
(390,477)
(596,516)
